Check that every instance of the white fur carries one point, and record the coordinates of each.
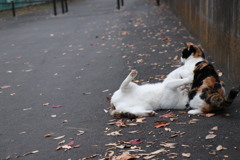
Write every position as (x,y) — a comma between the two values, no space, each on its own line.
(143,100)
(196,104)
(186,70)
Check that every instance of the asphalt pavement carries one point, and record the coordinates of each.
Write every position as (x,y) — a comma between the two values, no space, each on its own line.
(57,72)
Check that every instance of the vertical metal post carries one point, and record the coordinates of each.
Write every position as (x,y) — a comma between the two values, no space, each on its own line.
(54,7)
(13,9)
(118,4)
(158,2)
(122,2)
(66,5)
(62,4)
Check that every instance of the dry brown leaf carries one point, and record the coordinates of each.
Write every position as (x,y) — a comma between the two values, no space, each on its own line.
(161,124)
(188,155)
(175,58)
(47,135)
(209,114)
(133,132)
(192,121)
(219,148)
(60,137)
(126,156)
(33,152)
(140,120)
(162,150)
(90,157)
(115,133)
(169,145)
(120,123)
(210,136)
(214,128)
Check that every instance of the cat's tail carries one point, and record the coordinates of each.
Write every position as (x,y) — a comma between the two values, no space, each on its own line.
(128,79)
(119,114)
(230,97)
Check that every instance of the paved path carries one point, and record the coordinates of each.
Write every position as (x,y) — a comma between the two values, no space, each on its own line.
(57,71)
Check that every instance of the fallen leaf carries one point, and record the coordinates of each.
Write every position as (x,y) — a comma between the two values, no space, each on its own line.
(56,106)
(70,143)
(192,121)
(105,90)
(209,114)
(159,151)
(33,152)
(27,109)
(161,124)
(136,131)
(186,155)
(144,55)
(47,135)
(120,123)
(141,119)
(80,132)
(46,104)
(126,156)
(87,93)
(214,128)
(135,141)
(219,148)
(169,145)
(60,137)
(4,87)
(166,39)
(115,133)
(90,157)
(175,58)
(168,115)
(149,157)
(210,136)
(77,146)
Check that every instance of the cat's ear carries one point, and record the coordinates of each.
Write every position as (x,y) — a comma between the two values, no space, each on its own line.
(189,44)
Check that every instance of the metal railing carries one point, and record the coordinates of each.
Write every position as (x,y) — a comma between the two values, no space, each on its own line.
(64,5)
(121,3)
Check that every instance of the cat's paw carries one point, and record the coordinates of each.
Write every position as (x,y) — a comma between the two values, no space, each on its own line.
(194,111)
(133,73)
(189,79)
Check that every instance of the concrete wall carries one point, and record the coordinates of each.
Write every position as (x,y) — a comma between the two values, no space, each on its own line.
(216,23)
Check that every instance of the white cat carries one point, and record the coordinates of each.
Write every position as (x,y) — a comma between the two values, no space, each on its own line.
(132,100)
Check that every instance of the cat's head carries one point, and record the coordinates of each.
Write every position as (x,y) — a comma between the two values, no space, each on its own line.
(191,51)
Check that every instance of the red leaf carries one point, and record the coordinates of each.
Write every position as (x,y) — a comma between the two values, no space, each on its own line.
(70,143)
(135,141)
(4,87)
(56,106)
(144,55)
(161,124)
(168,115)
(76,146)
(120,123)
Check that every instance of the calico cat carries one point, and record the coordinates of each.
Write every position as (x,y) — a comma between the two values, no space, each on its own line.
(207,92)
(132,100)
(191,55)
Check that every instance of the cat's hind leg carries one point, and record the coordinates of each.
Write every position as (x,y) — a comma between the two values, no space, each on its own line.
(128,79)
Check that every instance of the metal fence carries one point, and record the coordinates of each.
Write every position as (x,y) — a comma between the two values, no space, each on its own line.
(14,4)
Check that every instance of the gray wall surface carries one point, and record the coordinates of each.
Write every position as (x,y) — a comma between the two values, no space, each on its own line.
(216,23)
